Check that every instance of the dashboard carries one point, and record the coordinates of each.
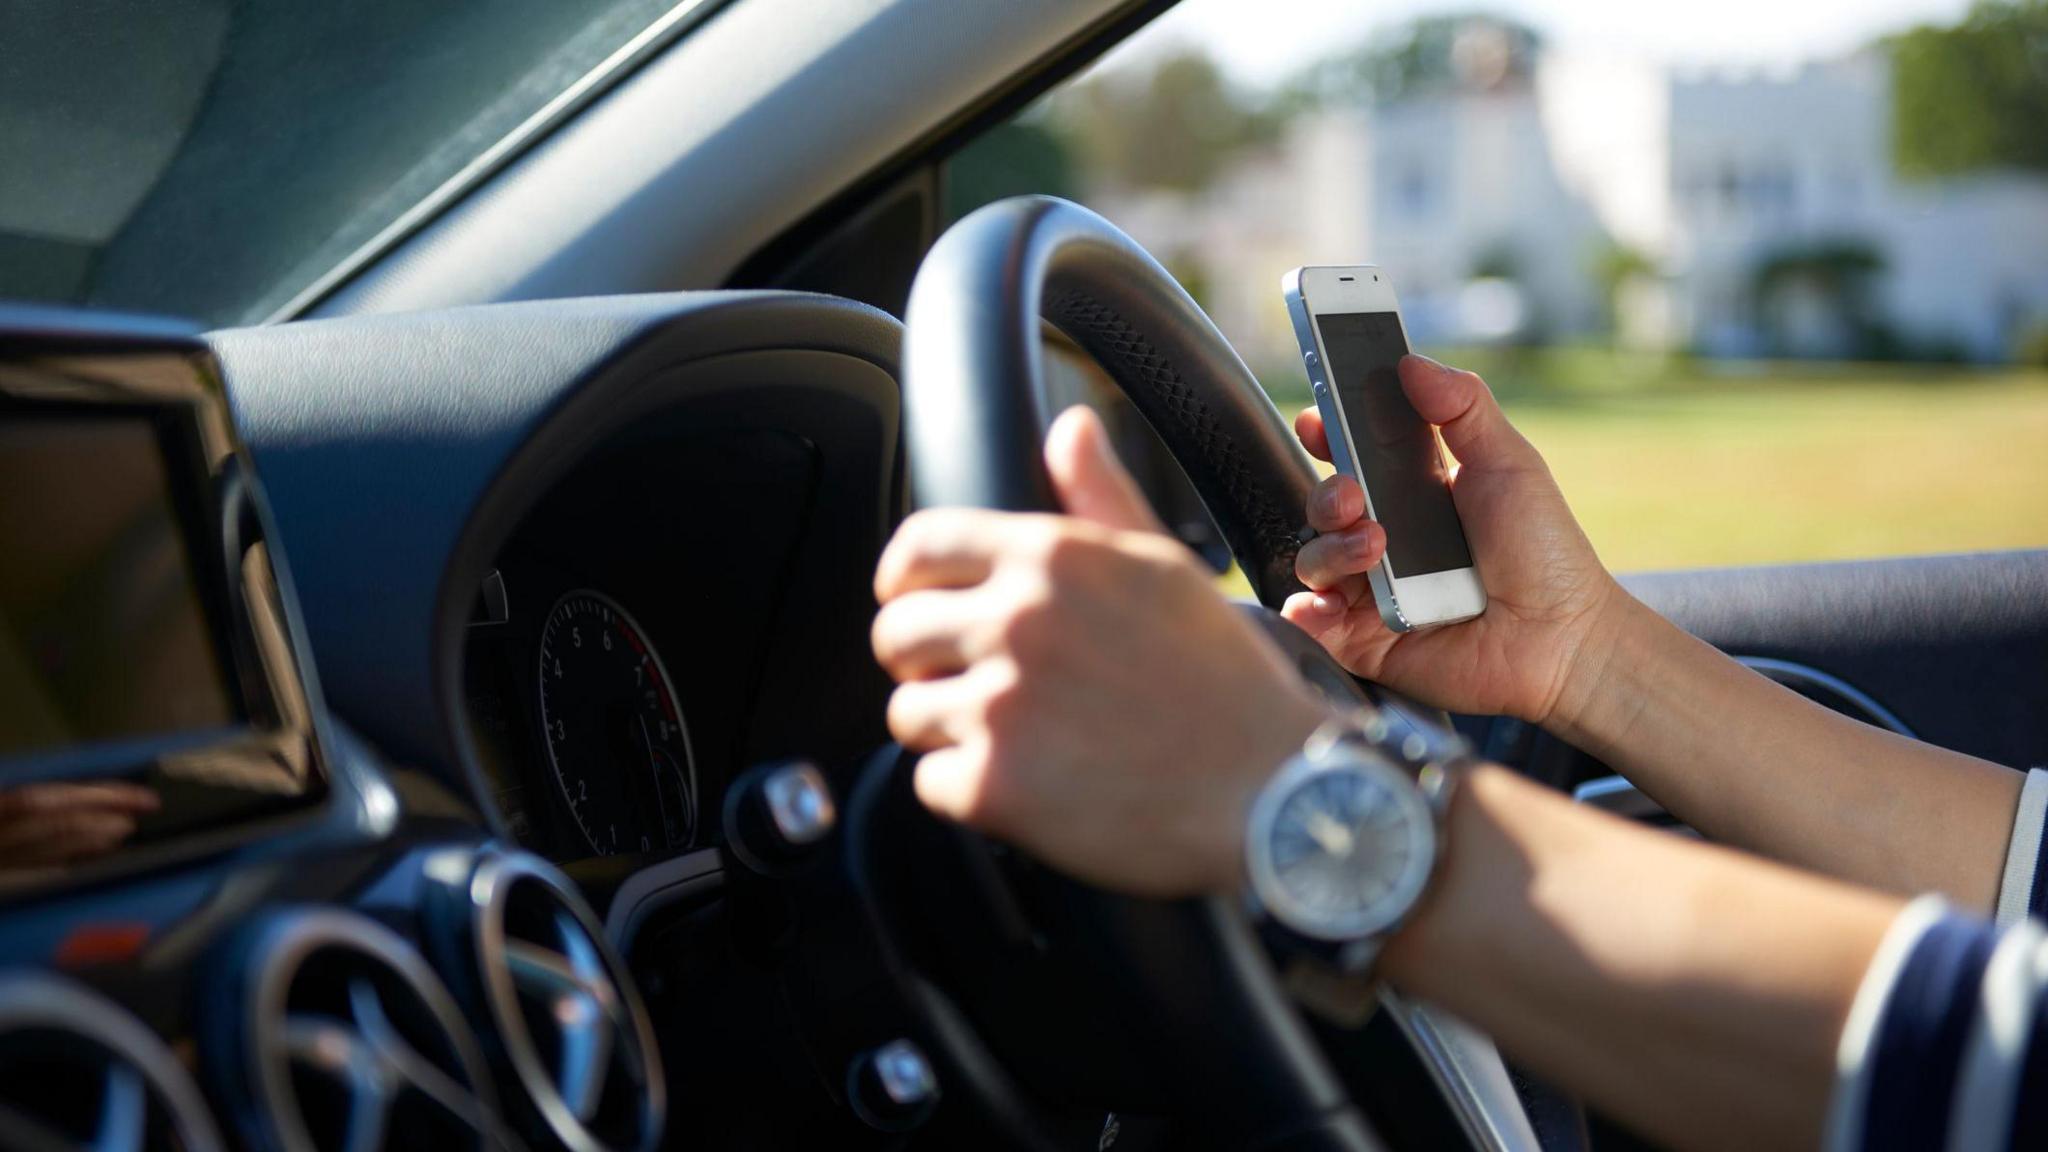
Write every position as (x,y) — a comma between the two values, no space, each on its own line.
(371,697)
(615,677)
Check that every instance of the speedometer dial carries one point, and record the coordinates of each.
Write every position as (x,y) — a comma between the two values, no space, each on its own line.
(614,736)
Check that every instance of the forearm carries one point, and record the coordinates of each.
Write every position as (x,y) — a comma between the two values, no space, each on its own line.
(1694,993)
(1752,764)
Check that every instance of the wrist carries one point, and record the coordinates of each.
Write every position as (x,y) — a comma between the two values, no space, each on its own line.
(1463,906)
(1607,642)
(1273,739)
(1345,844)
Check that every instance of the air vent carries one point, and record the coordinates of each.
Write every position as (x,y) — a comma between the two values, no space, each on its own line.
(347,1042)
(570,1027)
(79,1072)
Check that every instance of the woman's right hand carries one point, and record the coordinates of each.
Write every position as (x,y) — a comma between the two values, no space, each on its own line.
(1551,606)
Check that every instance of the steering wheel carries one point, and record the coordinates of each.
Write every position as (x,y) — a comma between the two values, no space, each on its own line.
(1041,992)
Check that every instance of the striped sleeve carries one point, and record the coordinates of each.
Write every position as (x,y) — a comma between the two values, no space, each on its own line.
(1946,1045)
(2021,891)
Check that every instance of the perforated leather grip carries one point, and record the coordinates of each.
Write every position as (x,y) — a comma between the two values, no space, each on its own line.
(975,410)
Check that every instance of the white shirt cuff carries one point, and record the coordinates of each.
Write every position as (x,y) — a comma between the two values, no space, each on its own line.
(2023,851)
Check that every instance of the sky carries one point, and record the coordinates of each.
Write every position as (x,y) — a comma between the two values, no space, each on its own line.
(1262,41)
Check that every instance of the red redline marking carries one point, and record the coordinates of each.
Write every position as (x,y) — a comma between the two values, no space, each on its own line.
(661,691)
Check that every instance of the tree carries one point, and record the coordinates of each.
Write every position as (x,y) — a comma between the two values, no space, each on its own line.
(1015,158)
(1173,126)
(1615,266)
(1430,56)
(1841,274)
(1975,95)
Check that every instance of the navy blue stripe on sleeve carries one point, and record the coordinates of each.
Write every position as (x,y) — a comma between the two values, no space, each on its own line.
(2030,1117)
(1918,1047)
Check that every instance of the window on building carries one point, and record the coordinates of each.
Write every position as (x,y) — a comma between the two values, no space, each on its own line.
(1414,190)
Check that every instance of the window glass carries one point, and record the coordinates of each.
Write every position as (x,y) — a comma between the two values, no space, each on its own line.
(1764,284)
(212,158)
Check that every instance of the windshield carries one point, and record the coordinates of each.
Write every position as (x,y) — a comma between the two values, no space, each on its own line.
(1762,290)
(212,159)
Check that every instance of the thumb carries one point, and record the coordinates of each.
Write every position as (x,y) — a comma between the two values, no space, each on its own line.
(1461,406)
(1091,482)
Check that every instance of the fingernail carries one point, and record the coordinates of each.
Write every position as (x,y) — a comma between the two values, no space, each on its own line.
(1328,605)
(1326,501)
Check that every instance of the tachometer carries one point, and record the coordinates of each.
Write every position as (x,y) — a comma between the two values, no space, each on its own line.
(614,735)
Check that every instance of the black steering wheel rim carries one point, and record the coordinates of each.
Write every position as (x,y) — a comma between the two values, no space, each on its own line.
(973,409)
(973,422)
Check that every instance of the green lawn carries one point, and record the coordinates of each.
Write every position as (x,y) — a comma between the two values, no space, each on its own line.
(1681,468)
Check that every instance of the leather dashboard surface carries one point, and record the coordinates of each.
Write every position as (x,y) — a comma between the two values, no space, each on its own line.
(397,451)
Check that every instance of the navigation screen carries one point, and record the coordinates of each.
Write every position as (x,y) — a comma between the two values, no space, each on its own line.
(1398,458)
(103,635)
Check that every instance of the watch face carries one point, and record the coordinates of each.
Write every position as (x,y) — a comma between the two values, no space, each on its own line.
(1342,851)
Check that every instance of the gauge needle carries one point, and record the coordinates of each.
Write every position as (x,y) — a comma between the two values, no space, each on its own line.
(653,767)
(1330,833)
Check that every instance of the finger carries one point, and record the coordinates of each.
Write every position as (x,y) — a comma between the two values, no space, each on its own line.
(118,796)
(939,548)
(1313,612)
(63,835)
(929,633)
(1460,404)
(1335,504)
(1092,483)
(932,714)
(1308,425)
(105,795)
(1328,561)
(957,783)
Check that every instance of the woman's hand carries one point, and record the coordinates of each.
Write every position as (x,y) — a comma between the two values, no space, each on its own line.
(1538,645)
(1077,684)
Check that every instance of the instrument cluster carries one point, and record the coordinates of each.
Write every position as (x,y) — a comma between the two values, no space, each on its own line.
(579,726)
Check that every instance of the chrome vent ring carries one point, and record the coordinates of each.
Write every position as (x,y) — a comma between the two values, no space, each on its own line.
(348,1042)
(569,1023)
(79,1072)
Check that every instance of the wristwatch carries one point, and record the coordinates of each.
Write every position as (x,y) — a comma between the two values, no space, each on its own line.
(1342,844)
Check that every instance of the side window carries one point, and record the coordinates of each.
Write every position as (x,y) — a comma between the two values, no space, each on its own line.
(1781,300)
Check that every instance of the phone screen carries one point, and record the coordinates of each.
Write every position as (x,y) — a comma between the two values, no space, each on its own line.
(1396,450)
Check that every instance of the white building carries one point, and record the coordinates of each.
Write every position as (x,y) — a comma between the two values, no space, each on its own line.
(1454,188)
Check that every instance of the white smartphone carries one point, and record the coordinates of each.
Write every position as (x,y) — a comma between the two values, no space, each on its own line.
(1352,341)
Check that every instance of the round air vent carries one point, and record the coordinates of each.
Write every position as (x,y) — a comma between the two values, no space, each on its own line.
(79,1072)
(345,1041)
(569,1025)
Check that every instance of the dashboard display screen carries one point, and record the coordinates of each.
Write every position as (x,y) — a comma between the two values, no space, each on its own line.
(104,634)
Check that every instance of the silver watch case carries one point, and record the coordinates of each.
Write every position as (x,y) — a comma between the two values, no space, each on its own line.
(1325,753)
